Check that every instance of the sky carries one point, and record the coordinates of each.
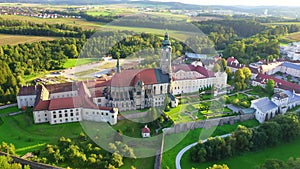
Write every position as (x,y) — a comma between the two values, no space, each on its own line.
(240,2)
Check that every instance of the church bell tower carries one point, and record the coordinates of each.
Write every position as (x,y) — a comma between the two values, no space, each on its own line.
(165,57)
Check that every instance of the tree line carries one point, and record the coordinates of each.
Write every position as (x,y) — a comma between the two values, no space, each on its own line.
(8,26)
(81,152)
(281,129)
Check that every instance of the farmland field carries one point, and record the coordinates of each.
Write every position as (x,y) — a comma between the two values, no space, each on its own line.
(6,39)
(100,26)
(294,36)
(68,21)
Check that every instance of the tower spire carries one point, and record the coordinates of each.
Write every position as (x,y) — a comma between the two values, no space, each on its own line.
(118,65)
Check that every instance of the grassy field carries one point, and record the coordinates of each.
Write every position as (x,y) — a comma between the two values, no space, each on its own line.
(193,136)
(284,23)
(28,78)
(27,136)
(80,61)
(180,35)
(6,39)
(68,21)
(293,36)
(251,160)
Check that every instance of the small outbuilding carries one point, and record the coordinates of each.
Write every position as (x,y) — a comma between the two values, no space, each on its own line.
(145,132)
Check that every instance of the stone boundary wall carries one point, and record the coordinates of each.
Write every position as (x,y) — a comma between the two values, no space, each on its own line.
(7,106)
(33,165)
(207,123)
(132,116)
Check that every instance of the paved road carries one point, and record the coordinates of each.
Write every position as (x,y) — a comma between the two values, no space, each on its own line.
(185,149)
(69,73)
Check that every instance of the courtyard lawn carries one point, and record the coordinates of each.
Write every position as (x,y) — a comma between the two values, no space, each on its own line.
(193,136)
(183,113)
(257,91)
(251,160)
(27,136)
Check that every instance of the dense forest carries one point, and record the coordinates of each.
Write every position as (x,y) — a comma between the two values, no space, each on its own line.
(25,59)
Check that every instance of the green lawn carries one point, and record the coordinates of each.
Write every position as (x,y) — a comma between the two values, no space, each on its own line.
(27,136)
(251,160)
(193,136)
(257,92)
(9,110)
(183,113)
(80,61)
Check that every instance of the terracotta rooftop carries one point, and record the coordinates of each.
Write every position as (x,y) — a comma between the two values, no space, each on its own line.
(123,78)
(147,76)
(263,78)
(61,87)
(231,59)
(199,69)
(65,103)
(29,90)
(145,130)
(42,105)
(69,103)
(100,82)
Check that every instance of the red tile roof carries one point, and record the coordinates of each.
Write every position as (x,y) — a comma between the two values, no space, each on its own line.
(262,78)
(61,87)
(145,130)
(29,90)
(123,78)
(101,82)
(73,102)
(147,76)
(65,103)
(231,59)
(42,105)
(199,69)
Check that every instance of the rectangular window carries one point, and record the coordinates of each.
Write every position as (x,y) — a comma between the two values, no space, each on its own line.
(54,116)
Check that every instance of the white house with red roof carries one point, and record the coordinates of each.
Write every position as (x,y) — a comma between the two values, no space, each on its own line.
(146,132)
(73,109)
(233,64)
